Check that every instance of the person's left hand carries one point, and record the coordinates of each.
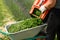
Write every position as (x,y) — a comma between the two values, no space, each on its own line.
(42,8)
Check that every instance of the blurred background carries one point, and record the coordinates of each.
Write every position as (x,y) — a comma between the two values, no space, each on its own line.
(14,10)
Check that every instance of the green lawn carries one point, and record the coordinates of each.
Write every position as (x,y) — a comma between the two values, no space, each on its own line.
(17,10)
(14,10)
(5,13)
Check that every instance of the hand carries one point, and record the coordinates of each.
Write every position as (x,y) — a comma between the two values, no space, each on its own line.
(42,8)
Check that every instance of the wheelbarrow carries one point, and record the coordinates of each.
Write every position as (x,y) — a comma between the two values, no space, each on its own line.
(24,34)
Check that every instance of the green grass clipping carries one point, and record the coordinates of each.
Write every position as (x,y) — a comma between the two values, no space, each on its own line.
(28,23)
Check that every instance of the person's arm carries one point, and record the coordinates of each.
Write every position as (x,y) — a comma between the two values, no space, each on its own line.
(48,5)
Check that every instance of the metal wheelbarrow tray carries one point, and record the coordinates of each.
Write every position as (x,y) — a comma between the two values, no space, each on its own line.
(26,33)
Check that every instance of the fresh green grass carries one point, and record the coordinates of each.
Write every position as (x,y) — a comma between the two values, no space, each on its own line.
(25,24)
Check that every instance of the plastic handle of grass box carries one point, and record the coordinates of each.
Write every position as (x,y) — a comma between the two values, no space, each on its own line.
(4,33)
(43,15)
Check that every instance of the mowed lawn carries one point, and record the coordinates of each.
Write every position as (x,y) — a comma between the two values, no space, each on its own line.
(5,13)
